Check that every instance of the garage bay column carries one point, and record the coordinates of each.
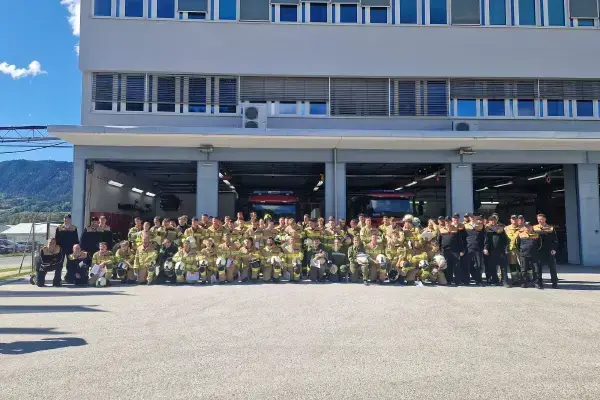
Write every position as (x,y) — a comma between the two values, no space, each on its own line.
(461,188)
(78,205)
(335,190)
(589,213)
(571,214)
(207,188)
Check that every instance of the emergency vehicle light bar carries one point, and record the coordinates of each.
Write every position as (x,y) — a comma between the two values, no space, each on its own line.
(267,192)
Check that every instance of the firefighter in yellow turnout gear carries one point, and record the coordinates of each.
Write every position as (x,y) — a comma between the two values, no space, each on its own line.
(186,266)
(229,251)
(145,258)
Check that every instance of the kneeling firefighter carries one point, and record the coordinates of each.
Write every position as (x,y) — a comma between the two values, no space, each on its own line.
(249,261)
(410,265)
(434,272)
(356,250)
(166,251)
(209,255)
(317,261)
(125,258)
(268,252)
(78,265)
(339,260)
(102,266)
(186,264)
(145,260)
(292,256)
(229,251)
(374,249)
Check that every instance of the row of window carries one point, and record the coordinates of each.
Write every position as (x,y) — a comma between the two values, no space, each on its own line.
(194,94)
(575,13)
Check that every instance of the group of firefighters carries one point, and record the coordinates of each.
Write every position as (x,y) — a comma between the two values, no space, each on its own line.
(446,251)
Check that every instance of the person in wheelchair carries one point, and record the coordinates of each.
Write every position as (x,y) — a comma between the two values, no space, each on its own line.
(51,259)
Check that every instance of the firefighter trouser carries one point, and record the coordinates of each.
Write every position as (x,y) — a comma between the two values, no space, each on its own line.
(409,274)
(317,273)
(434,276)
(41,275)
(495,261)
(290,270)
(130,274)
(550,261)
(474,260)
(355,271)
(231,273)
(142,274)
(370,271)
(267,271)
(453,266)
(527,266)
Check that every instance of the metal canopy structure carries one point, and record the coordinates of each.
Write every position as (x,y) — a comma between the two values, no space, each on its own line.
(19,139)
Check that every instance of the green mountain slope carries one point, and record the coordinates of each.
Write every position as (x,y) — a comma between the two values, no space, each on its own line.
(34,187)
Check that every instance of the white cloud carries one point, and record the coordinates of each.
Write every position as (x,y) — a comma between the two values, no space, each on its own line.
(34,69)
(74,8)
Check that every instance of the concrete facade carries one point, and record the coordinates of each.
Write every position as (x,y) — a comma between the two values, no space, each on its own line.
(236,49)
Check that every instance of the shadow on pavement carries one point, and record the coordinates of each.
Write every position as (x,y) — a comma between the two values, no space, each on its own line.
(575,285)
(30,331)
(45,309)
(55,293)
(32,346)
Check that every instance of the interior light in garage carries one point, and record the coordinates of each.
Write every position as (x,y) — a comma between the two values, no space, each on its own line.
(150,194)
(225,181)
(400,188)
(319,183)
(137,190)
(413,183)
(430,176)
(537,177)
(503,184)
(482,189)
(315,189)
(220,175)
(490,203)
(114,183)
(558,191)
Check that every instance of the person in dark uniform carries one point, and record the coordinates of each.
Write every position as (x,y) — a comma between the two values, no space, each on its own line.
(51,259)
(474,234)
(167,250)
(528,244)
(547,250)
(451,244)
(495,248)
(91,237)
(78,264)
(66,237)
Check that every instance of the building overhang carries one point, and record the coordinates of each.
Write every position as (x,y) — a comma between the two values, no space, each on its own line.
(324,138)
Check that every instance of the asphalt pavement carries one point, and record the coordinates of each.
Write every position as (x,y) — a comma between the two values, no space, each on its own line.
(301,341)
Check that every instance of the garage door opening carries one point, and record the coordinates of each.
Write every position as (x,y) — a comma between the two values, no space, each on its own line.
(395,190)
(123,190)
(278,189)
(523,189)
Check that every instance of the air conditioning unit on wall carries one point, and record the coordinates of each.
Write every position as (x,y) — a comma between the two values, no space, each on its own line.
(464,126)
(254,116)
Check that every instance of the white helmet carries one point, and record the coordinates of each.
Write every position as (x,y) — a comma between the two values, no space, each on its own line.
(408,217)
(221,262)
(275,261)
(381,259)
(308,242)
(192,241)
(423,264)
(101,282)
(440,260)
(179,268)
(362,259)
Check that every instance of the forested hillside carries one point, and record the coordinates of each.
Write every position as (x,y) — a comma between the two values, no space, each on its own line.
(34,187)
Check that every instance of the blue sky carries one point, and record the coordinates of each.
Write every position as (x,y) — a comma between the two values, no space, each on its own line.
(39,30)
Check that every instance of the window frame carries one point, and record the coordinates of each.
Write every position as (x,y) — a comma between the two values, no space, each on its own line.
(368,15)
(419,10)
(184,15)
(113,9)
(154,11)
(207,94)
(565,109)
(215,108)
(546,21)
(115,88)
(177,90)
(574,23)
(487,14)
(594,115)
(537,11)
(515,109)
(427,16)
(123,99)
(217,8)
(485,111)
(478,110)
(308,6)
(338,13)
(122,9)
(278,13)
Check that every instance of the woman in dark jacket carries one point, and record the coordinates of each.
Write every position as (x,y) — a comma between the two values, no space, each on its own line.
(78,264)
(51,259)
